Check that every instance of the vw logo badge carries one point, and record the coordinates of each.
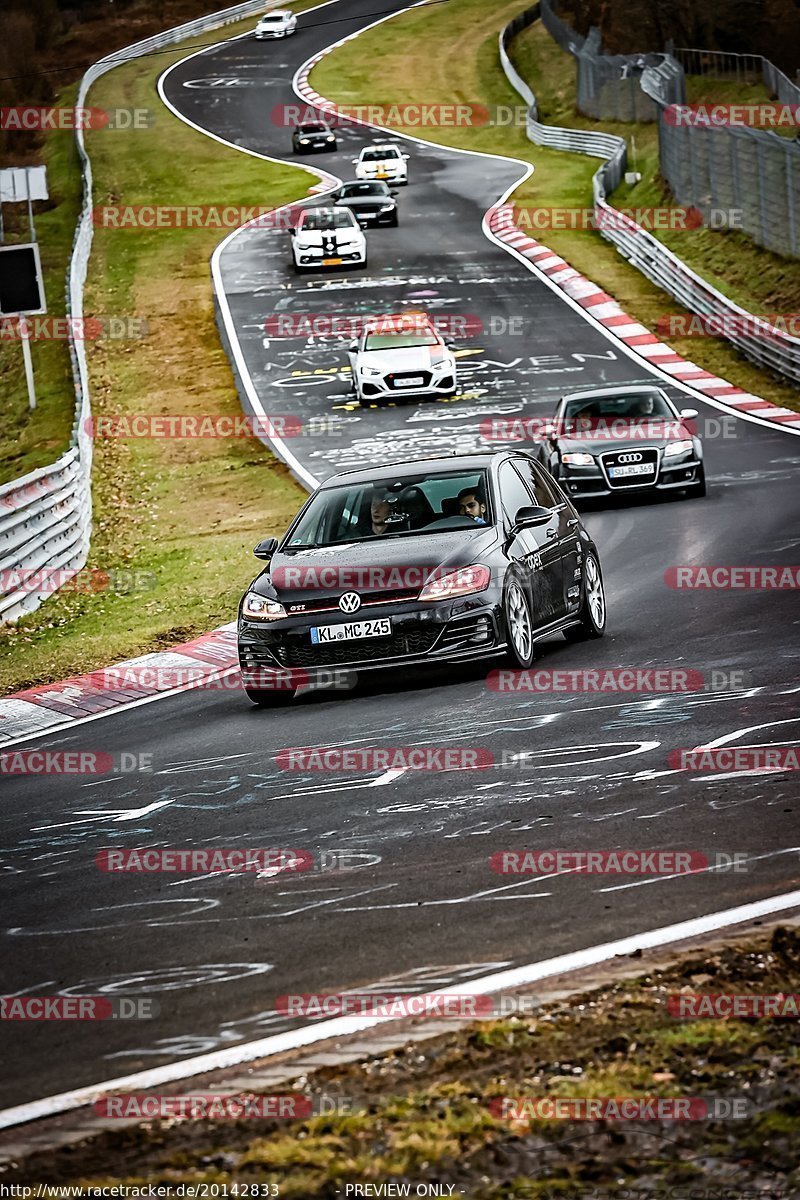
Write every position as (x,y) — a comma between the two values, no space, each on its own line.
(629,458)
(350,602)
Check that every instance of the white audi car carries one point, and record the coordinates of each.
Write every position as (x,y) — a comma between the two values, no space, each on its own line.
(400,356)
(385,161)
(276,24)
(327,237)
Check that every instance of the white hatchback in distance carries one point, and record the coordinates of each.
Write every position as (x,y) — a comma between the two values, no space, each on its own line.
(276,24)
(386,161)
(327,237)
(399,356)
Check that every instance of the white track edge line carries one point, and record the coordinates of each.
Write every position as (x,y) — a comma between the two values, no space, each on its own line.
(343,1026)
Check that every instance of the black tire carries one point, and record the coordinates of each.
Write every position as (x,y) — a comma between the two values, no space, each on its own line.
(363,402)
(518,620)
(394,222)
(267,699)
(697,490)
(592,615)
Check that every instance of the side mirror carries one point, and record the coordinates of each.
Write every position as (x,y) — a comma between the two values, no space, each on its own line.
(406,156)
(531,516)
(266,549)
(689,413)
(354,161)
(394,193)
(353,347)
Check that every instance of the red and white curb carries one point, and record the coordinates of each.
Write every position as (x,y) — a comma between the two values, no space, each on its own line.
(135,681)
(635,336)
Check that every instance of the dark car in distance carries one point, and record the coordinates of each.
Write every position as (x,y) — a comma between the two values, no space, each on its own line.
(624,440)
(372,201)
(425,561)
(314,135)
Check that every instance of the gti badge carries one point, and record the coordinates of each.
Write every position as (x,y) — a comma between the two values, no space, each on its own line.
(350,602)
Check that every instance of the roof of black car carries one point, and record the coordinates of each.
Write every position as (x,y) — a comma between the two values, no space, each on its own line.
(448,462)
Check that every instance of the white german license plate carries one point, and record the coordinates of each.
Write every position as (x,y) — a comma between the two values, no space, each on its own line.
(331,262)
(356,629)
(414,381)
(633,469)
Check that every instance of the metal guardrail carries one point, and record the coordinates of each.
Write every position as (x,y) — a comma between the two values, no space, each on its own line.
(757,340)
(46,516)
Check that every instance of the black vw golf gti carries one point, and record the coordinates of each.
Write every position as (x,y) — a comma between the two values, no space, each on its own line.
(425,561)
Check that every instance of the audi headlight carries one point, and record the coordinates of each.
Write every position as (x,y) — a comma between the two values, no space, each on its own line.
(462,582)
(673,448)
(387,207)
(369,370)
(261,608)
(577,460)
(330,138)
(303,141)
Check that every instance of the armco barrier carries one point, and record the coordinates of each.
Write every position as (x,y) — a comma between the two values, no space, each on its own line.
(774,350)
(46,516)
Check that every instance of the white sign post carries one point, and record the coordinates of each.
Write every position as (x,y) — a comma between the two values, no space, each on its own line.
(17,185)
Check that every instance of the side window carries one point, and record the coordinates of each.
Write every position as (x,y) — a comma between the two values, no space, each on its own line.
(539,485)
(513,493)
(347,519)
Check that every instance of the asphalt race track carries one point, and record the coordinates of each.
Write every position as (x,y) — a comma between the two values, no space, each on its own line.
(414,901)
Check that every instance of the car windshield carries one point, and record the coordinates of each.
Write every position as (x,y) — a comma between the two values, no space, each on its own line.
(333,218)
(274,19)
(630,406)
(315,127)
(364,189)
(400,341)
(408,505)
(379,154)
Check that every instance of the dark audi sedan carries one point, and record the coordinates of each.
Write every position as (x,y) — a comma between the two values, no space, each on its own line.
(623,440)
(420,562)
(314,135)
(371,200)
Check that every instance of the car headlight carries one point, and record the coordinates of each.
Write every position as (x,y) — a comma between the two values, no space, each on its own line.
(577,460)
(303,141)
(673,448)
(261,608)
(387,207)
(330,138)
(369,370)
(462,582)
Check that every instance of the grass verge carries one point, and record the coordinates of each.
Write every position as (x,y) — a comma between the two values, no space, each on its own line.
(183,514)
(425,1114)
(417,64)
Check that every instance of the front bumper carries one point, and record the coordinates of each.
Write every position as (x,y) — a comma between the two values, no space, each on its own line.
(583,483)
(267,37)
(314,258)
(380,387)
(456,630)
(314,147)
(400,177)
